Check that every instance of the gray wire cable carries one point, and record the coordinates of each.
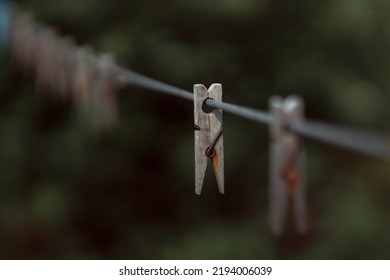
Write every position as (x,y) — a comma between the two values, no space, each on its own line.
(149,83)
(372,145)
(247,113)
(376,146)
(142,81)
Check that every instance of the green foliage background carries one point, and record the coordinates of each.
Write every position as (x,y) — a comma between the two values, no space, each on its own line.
(70,192)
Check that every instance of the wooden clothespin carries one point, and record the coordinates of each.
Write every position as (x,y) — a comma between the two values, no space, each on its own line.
(104,96)
(16,38)
(65,59)
(45,59)
(5,14)
(208,136)
(82,79)
(287,177)
(23,39)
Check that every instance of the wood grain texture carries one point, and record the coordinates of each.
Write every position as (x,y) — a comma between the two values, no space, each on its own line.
(216,122)
(207,128)
(201,136)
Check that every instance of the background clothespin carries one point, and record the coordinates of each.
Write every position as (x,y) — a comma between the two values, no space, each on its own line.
(65,59)
(5,14)
(45,60)
(287,178)
(23,39)
(104,97)
(208,136)
(82,79)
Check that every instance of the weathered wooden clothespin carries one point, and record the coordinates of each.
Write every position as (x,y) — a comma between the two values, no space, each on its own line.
(82,79)
(65,59)
(23,39)
(208,136)
(287,177)
(5,14)
(104,98)
(46,60)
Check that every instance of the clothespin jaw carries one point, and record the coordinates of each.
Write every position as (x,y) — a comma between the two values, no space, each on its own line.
(287,177)
(208,136)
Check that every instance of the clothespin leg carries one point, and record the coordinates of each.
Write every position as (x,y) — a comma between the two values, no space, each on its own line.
(294,110)
(299,199)
(201,128)
(216,128)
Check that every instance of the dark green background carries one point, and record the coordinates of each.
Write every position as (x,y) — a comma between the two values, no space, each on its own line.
(68,191)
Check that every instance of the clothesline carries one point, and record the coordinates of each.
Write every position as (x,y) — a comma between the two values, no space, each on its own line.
(366,143)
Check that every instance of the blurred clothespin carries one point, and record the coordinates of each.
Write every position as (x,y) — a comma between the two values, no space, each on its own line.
(82,78)
(287,177)
(208,136)
(24,32)
(104,98)
(5,14)
(45,59)
(65,60)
